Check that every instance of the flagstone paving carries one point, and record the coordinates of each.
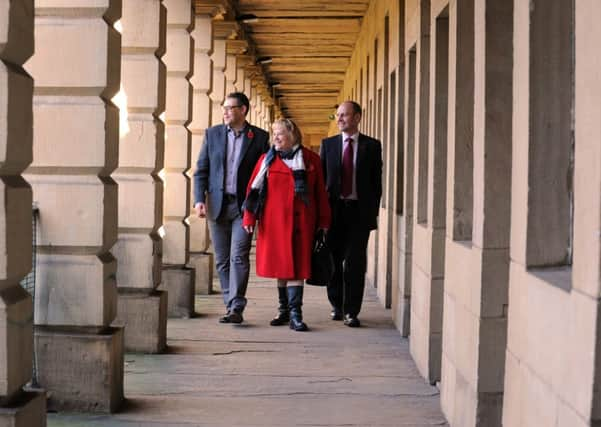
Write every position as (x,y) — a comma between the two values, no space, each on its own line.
(255,374)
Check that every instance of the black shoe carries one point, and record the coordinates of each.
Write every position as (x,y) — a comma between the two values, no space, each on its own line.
(351,321)
(231,317)
(280,319)
(336,314)
(298,325)
(235,317)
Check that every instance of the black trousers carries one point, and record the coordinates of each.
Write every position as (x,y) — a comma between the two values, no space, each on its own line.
(348,242)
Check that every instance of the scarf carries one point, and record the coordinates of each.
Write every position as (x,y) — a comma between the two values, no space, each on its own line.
(255,201)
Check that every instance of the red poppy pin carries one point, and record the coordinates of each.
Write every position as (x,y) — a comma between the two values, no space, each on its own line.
(250,134)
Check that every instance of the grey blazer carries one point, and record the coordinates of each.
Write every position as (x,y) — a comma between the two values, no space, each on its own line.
(209,177)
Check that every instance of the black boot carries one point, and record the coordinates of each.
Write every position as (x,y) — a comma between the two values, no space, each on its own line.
(295,301)
(283,315)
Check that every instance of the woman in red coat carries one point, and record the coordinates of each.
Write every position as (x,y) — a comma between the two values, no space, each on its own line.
(287,196)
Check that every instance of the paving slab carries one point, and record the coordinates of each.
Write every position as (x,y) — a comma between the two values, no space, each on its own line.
(257,375)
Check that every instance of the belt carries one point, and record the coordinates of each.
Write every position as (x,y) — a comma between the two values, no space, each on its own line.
(230,198)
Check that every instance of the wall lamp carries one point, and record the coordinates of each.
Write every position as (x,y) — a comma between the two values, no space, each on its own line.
(247,18)
(264,60)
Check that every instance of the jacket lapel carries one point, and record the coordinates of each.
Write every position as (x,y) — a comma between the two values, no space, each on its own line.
(221,146)
(337,163)
(246,141)
(361,153)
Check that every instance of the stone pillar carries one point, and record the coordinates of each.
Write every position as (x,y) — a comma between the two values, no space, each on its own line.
(252,98)
(200,259)
(230,73)
(247,85)
(178,278)
(217,94)
(428,220)
(552,374)
(475,329)
(401,249)
(142,309)
(76,69)
(18,408)
(240,78)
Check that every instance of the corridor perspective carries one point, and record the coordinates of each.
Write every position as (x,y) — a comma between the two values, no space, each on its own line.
(257,375)
(484,274)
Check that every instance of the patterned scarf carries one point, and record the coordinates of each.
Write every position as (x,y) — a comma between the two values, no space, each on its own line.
(255,201)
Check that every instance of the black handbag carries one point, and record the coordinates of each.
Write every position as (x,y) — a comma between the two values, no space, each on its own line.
(322,262)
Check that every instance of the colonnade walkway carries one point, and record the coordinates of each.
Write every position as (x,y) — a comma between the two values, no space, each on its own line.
(258,375)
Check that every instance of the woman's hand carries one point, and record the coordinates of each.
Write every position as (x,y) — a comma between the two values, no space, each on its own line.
(249,228)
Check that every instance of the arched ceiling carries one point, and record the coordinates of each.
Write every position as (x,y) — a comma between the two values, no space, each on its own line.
(309,43)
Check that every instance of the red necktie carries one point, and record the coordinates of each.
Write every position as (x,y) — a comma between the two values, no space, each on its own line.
(347,169)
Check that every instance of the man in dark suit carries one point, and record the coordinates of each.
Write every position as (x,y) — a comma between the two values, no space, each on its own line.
(226,161)
(352,167)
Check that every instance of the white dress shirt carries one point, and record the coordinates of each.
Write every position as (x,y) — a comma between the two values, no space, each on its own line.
(355,138)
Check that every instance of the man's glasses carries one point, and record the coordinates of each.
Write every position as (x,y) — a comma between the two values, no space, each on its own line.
(228,108)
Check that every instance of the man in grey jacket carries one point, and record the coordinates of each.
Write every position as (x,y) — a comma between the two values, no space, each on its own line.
(226,161)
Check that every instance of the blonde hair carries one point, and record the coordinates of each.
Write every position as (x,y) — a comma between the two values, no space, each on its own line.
(291,127)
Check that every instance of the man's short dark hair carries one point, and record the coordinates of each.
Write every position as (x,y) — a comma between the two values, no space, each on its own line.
(241,98)
(356,107)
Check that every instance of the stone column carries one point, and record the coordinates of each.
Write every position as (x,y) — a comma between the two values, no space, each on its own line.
(247,84)
(230,73)
(428,220)
(240,77)
(202,106)
(217,94)
(475,329)
(178,278)
(552,373)
(19,408)
(142,309)
(76,69)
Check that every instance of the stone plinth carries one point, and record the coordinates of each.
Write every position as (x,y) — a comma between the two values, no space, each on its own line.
(178,282)
(27,410)
(84,369)
(144,318)
(202,262)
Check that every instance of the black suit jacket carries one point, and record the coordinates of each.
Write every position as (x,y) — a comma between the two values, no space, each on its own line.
(209,177)
(368,171)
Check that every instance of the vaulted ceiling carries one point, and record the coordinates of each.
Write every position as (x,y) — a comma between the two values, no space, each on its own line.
(309,44)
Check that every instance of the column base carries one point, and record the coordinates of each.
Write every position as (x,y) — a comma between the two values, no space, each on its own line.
(402,315)
(144,317)
(203,263)
(178,281)
(27,410)
(81,371)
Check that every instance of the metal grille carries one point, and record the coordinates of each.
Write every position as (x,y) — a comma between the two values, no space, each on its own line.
(28,283)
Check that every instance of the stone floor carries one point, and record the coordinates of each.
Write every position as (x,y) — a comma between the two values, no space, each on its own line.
(258,375)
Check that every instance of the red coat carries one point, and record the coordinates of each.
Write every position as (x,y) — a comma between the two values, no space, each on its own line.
(287,227)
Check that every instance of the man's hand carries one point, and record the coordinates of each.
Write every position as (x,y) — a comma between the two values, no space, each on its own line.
(200,210)
(249,228)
